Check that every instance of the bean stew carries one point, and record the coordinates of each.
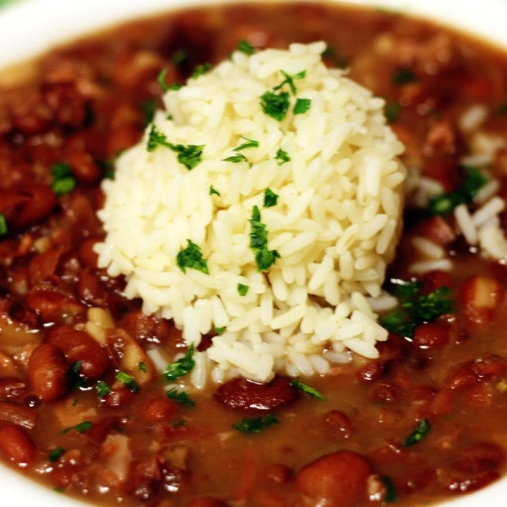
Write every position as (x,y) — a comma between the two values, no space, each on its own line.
(84,407)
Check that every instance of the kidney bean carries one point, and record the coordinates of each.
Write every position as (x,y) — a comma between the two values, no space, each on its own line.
(432,335)
(87,254)
(438,230)
(479,457)
(52,306)
(11,388)
(243,394)
(373,370)
(279,473)
(337,479)
(118,396)
(145,477)
(43,266)
(460,483)
(47,372)
(159,409)
(338,423)
(90,288)
(103,427)
(146,328)
(383,391)
(122,138)
(130,357)
(16,446)
(17,414)
(79,346)
(26,205)
(84,167)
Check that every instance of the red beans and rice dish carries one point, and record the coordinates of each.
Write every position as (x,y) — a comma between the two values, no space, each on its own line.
(83,408)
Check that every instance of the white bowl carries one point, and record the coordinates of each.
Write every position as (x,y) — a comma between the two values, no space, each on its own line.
(30,27)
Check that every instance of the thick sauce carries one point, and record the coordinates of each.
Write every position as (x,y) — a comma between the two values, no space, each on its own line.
(70,419)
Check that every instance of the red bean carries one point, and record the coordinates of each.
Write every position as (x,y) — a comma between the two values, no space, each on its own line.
(206,501)
(26,205)
(67,104)
(432,335)
(11,388)
(17,414)
(479,457)
(16,446)
(52,306)
(242,394)
(338,423)
(158,409)
(337,479)
(146,328)
(47,372)
(79,346)
(373,370)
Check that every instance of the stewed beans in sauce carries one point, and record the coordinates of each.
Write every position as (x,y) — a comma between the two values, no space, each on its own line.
(83,405)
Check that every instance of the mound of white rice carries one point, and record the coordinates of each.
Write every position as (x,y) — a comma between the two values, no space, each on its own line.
(334,187)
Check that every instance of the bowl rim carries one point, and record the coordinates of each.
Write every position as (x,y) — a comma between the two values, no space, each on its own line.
(29,28)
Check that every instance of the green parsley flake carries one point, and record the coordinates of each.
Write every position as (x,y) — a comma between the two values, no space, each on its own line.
(55,454)
(245,47)
(191,257)
(255,424)
(149,108)
(420,432)
(275,105)
(289,80)
(3,225)
(213,191)
(305,388)
(200,70)
(270,198)
(142,367)
(128,381)
(180,367)
(391,494)
(302,106)
(403,76)
(392,111)
(236,158)
(180,57)
(243,289)
(189,156)
(220,330)
(102,388)
(249,143)
(63,179)
(472,182)
(282,157)
(415,308)
(264,258)
(161,80)
(82,427)
(180,397)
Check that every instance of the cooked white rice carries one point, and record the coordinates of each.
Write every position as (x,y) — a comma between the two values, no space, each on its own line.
(334,226)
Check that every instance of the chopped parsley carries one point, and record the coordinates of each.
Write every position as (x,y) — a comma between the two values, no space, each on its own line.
(420,432)
(270,198)
(391,494)
(445,203)
(243,289)
(82,427)
(220,330)
(191,257)
(102,388)
(402,76)
(275,105)
(289,80)
(189,156)
(264,258)
(148,107)
(55,454)
(249,143)
(74,375)
(3,225)
(307,389)
(200,70)
(239,157)
(180,57)
(142,367)
(63,179)
(302,106)
(180,367)
(180,397)
(161,80)
(281,157)
(245,47)
(213,191)
(415,308)
(255,424)
(128,381)
(392,111)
